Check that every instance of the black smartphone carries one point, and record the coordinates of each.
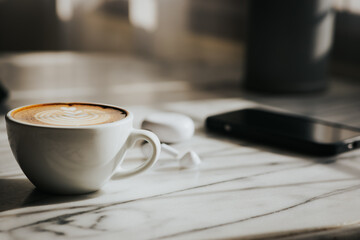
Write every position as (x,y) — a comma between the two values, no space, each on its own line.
(288,131)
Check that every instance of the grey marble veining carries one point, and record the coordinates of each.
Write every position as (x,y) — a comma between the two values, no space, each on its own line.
(240,190)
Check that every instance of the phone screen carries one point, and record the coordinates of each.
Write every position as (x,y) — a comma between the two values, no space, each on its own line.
(289,125)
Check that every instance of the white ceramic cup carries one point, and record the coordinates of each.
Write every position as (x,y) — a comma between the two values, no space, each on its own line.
(76,159)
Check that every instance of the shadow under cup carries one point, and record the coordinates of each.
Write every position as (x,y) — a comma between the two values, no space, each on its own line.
(75,159)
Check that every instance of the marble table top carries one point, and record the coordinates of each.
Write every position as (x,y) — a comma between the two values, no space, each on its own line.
(240,191)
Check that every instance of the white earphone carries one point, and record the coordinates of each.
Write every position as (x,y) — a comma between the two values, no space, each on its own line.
(187,160)
(172,128)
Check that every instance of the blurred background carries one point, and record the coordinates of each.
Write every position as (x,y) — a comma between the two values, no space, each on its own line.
(178,30)
(202,42)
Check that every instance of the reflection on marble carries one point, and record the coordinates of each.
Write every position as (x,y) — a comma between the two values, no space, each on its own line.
(240,190)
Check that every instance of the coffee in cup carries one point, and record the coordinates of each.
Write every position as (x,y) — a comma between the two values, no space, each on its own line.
(68,114)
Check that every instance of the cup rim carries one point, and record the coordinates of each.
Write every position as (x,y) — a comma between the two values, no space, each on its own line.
(128,116)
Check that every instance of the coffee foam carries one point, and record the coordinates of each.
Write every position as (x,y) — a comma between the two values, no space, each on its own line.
(68,114)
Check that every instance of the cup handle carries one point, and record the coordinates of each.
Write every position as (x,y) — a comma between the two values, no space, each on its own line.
(154,142)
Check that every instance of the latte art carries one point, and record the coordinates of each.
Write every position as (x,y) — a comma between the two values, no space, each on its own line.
(72,116)
(69,114)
